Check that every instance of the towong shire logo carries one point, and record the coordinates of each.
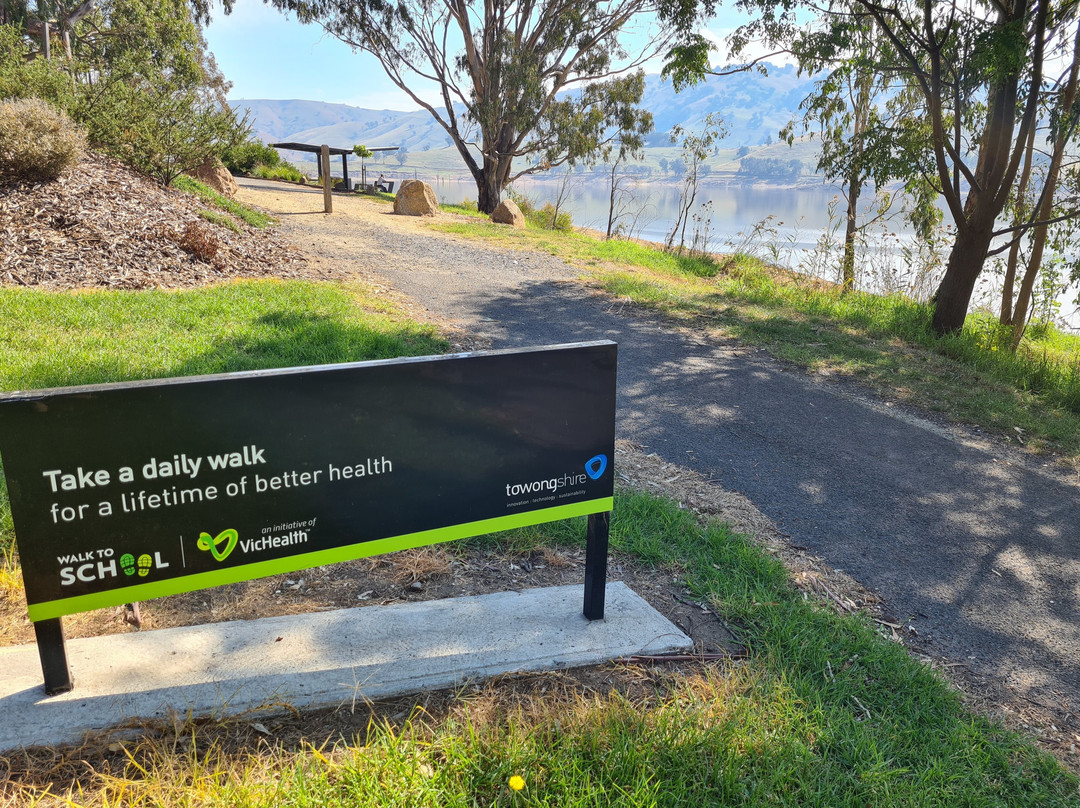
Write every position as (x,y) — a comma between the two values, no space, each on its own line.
(562,486)
(213,543)
(596,466)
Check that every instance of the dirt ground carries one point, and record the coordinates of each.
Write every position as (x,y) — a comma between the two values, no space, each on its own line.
(475,568)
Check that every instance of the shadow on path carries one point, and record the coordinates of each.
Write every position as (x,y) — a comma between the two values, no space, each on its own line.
(972,546)
(975,549)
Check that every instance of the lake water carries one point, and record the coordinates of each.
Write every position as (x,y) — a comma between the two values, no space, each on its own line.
(801,228)
(652,209)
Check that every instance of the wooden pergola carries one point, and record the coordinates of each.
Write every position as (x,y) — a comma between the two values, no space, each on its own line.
(333,150)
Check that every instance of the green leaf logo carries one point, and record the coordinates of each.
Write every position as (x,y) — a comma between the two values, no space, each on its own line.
(207,543)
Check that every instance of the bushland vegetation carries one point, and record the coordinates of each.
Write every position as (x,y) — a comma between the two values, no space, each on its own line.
(134,74)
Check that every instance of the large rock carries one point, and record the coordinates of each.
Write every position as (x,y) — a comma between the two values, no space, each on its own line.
(507,212)
(213,173)
(416,198)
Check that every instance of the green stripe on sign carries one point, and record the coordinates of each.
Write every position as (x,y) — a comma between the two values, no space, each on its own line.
(278,566)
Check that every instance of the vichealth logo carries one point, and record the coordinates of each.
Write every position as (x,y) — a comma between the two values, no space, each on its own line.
(212,543)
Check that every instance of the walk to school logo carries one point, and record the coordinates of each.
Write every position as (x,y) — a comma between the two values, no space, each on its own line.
(127,564)
(227,537)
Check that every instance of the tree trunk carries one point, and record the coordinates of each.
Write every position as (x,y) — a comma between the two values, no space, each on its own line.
(495,174)
(1027,287)
(612,187)
(1007,287)
(489,191)
(1046,206)
(854,189)
(954,294)
(1005,317)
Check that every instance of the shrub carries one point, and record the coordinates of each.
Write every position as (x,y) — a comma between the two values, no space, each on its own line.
(281,171)
(25,77)
(156,98)
(552,221)
(544,217)
(160,127)
(37,141)
(259,160)
(246,157)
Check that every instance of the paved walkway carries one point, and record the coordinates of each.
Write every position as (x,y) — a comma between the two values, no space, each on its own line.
(975,545)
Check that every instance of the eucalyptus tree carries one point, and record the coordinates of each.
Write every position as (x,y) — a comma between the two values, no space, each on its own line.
(976,72)
(628,128)
(1037,211)
(138,78)
(980,68)
(851,111)
(522,85)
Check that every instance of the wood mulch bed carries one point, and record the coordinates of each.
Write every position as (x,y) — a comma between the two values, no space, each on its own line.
(103,225)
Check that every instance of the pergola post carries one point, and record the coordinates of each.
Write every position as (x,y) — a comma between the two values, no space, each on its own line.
(324,161)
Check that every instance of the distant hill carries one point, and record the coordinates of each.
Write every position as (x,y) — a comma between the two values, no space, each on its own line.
(340,124)
(754,107)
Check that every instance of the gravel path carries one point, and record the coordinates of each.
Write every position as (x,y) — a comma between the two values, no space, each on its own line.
(972,545)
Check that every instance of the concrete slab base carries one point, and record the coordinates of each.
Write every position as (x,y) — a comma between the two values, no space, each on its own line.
(322,659)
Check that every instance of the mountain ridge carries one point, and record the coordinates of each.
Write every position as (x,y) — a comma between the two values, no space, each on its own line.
(755,106)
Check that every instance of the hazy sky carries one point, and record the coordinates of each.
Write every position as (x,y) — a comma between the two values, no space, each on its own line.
(268,55)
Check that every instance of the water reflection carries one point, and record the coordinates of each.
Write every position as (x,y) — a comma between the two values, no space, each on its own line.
(789,226)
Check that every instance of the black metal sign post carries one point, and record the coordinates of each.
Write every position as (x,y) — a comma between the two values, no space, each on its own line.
(53,653)
(125,492)
(596,551)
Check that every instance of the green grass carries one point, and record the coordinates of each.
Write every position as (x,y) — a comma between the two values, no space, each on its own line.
(282,171)
(1032,396)
(823,712)
(58,339)
(210,196)
(220,219)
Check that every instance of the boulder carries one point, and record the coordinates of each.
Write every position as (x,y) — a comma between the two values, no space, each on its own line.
(507,212)
(213,173)
(416,198)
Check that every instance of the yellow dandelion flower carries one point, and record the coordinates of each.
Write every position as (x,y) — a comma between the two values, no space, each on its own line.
(517,783)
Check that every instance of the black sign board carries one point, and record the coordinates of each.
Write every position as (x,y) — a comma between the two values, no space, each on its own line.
(125,492)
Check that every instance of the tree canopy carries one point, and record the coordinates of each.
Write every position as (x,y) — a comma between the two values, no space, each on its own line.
(524,85)
(975,73)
